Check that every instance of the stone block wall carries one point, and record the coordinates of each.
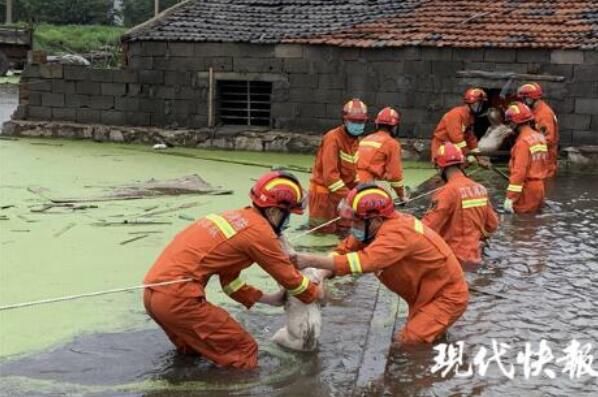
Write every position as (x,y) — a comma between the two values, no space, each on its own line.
(165,84)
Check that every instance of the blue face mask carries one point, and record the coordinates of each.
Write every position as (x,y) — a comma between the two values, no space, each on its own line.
(358,234)
(355,129)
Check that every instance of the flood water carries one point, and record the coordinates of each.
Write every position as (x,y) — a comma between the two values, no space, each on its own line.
(544,268)
(539,282)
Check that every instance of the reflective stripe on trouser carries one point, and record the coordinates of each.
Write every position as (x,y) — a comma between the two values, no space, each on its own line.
(531,198)
(322,208)
(196,326)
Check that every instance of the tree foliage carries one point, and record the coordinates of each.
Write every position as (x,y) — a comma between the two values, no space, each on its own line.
(138,11)
(81,12)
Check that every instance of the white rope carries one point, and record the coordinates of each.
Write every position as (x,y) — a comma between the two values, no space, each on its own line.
(108,291)
(171,282)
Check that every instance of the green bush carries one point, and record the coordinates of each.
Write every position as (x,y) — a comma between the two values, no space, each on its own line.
(76,38)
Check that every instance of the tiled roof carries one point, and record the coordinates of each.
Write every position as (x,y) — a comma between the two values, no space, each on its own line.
(382,23)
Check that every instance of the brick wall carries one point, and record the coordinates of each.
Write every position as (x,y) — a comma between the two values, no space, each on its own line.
(166,85)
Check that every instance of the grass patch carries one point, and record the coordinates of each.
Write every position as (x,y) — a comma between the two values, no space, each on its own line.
(76,39)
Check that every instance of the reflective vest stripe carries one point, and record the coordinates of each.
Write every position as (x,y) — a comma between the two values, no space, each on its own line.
(301,288)
(418,226)
(461,144)
(515,188)
(540,147)
(234,286)
(348,157)
(471,203)
(354,263)
(398,183)
(225,227)
(333,187)
(373,144)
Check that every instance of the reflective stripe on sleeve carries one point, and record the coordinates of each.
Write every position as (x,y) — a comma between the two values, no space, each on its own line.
(461,144)
(354,263)
(515,188)
(471,203)
(301,288)
(398,183)
(233,286)
(222,224)
(418,226)
(373,144)
(333,187)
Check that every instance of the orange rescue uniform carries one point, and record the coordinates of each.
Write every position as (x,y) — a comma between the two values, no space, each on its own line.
(333,175)
(413,261)
(547,124)
(379,158)
(456,126)
(528,168)
(462,215)
(221,245)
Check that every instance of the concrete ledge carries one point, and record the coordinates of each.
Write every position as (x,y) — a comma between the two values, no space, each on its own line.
(230,138)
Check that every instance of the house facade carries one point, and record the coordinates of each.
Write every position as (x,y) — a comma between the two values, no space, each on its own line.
(273,65)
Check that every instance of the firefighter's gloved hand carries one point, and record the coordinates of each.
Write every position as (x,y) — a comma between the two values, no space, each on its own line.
(471,159)
(508,206)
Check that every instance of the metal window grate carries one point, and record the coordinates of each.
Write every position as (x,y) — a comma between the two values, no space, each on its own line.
(244,102)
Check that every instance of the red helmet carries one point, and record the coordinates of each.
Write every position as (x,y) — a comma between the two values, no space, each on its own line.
(368,200)
(449,154)
(530,90)
(473,95)
(355,110)
(518,113)
(278,189)
(388,116)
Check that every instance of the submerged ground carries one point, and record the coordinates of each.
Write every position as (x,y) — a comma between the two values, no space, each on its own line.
(107,344)
(539,282)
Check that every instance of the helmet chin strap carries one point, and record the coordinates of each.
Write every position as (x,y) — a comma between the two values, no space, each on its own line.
(367,237)
(278,227)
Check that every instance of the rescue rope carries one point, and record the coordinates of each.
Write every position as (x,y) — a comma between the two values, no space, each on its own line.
(172,282)
(86,295)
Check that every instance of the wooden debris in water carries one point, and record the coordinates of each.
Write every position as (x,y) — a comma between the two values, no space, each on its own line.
(127,222)
(64,230)
(134,239)
(147,232)
(74,207)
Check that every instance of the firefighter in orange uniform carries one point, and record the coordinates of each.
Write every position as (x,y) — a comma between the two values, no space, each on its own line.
(223,245)
(380,153)
(546,122)
(408,257)
(528,166)
(461,211)
(456,126)
(334,170)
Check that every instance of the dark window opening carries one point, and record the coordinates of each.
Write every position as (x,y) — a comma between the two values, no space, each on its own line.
(244,102)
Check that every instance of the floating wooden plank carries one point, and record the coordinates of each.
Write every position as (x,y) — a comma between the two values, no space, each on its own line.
(133,239)
(64,230)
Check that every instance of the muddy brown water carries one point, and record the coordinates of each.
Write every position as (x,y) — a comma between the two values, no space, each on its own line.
(544,265)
